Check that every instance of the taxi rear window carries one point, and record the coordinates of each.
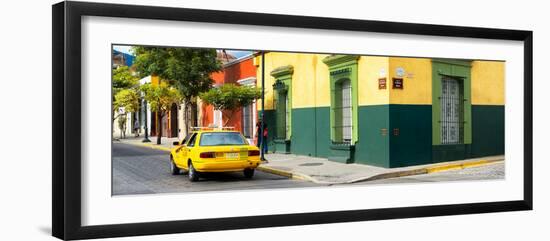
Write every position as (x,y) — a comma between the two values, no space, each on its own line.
(222,139)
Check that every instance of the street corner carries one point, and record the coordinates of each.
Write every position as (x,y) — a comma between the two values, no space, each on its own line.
(323,171)
(287,172)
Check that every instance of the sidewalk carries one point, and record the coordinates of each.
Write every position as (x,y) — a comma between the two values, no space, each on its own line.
(166,143)
(323,171)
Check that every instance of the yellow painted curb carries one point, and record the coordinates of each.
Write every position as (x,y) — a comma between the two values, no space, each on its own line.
(459,166)
(285,173)
(275,171)
(151,145)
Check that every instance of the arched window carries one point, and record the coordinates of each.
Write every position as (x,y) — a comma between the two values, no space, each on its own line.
(282,97)
(343,112)
(343,71)
(282,112)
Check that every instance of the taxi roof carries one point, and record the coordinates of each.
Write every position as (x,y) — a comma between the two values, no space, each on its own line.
(213,129)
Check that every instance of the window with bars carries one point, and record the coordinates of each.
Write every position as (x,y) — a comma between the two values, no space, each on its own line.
(452,111)
(343,120)
(282,112)
(246,123)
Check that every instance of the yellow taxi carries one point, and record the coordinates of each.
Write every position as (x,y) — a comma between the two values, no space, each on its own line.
(213,150)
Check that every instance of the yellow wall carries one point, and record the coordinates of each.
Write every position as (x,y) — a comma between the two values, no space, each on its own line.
(488,83)
(369,71)
(310,80)
(417,81)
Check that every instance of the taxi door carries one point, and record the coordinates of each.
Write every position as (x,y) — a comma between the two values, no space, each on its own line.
(181,152)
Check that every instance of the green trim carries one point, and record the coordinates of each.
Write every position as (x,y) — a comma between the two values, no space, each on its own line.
(281,146)
(461,70)
(341,147)
(342,153)
(283,82)
(282,71)
(337,59)
(464,63)
(343,67)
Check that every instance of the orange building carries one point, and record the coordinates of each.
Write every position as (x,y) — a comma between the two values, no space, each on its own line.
(240,71)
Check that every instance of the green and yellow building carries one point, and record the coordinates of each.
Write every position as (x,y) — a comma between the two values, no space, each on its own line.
(383,111)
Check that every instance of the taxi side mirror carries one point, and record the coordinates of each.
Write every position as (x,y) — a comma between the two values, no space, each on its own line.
(176,143)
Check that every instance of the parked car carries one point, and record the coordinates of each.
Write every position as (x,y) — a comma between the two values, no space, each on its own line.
(213,150)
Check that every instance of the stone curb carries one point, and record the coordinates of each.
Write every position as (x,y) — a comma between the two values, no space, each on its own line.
(419,171)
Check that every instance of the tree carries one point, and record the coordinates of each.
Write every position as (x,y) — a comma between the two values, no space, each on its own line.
(230,97)
(123,80)
(188,69)
(160,98)
(126,101)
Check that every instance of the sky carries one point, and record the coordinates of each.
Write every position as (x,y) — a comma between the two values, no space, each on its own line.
(236,53)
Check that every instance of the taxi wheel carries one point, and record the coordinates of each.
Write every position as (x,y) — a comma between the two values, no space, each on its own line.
(175,170)
(248,173)
(193,174)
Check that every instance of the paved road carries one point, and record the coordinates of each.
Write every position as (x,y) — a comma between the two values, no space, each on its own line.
(487,172)
(142,170)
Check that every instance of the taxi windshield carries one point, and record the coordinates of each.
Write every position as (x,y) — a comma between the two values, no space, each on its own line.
(222,139)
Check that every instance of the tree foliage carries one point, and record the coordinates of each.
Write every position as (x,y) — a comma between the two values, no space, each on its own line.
(128,99)
(123,79)
(231,97)
(160,97)
(188,69)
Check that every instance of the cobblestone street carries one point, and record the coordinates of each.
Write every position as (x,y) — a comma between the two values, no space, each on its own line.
(488,172)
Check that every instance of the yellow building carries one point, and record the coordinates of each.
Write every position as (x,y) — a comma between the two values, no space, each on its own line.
(383,111)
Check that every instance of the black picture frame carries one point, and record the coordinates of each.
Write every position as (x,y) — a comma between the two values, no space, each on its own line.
(66,140)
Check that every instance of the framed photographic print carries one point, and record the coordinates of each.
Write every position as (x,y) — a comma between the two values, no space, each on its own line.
(170,120)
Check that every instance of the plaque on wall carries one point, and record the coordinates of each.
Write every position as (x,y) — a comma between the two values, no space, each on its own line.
(397,83)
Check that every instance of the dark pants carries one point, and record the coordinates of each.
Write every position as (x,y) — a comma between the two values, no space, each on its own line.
(262,144)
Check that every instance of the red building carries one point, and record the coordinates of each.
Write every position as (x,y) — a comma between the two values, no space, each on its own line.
(241,72)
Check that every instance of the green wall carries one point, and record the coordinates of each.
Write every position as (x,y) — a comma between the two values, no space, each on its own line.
(322,128)
(269,117)
(413,144)
(310,131)
(372,147)
(303,132)
(487,130)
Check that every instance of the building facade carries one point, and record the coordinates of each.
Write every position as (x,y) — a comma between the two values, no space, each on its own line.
(120,59)
(242,72)
(383,111)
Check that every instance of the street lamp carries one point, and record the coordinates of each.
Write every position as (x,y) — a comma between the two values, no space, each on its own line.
(146,137)
(262,125)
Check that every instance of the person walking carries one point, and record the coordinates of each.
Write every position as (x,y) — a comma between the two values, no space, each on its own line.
(258,131)
(136,128)
(264,140)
